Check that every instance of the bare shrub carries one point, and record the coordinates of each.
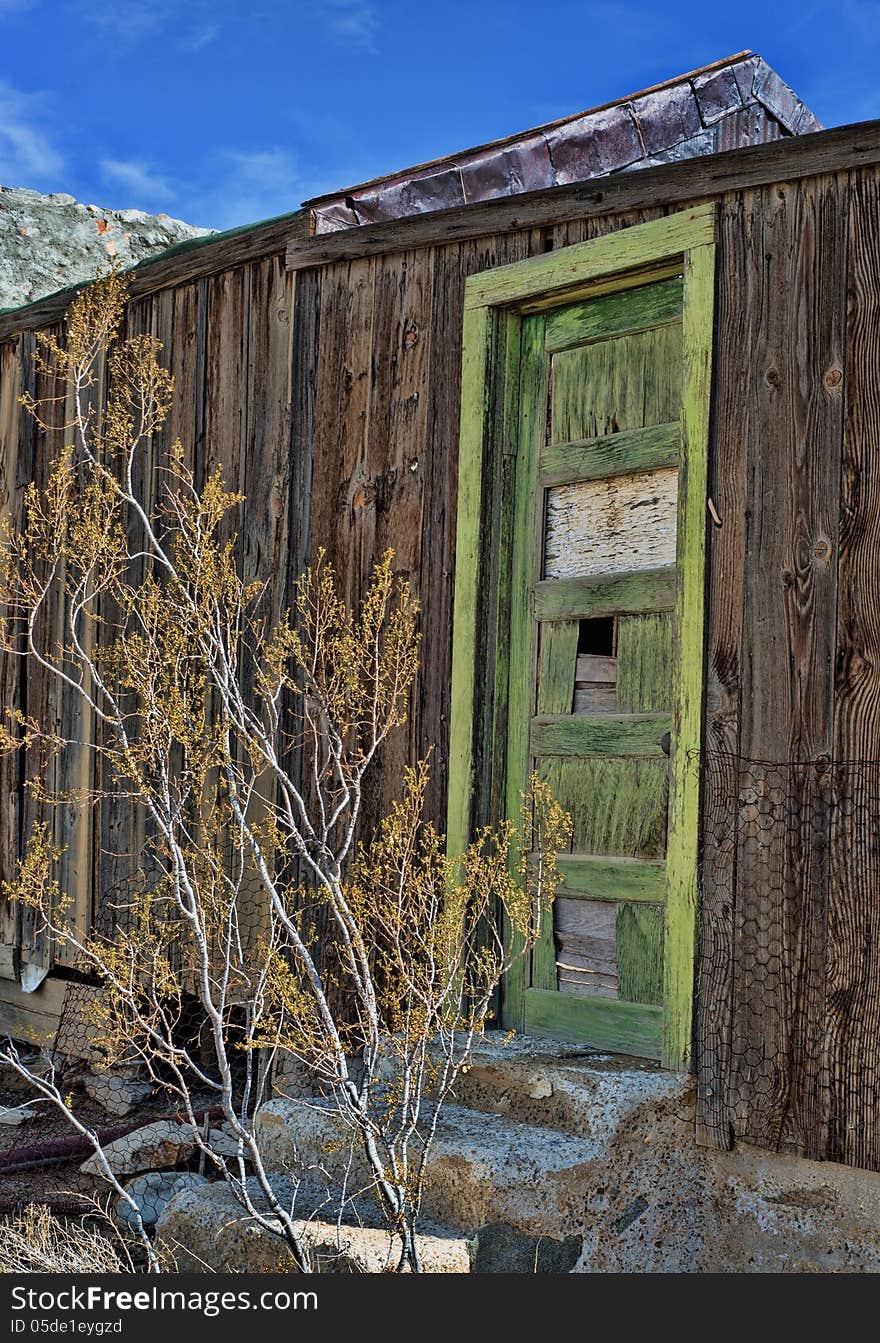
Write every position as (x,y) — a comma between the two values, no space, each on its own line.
(244,743)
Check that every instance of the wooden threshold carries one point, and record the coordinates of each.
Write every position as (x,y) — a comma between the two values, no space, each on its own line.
(598,1023)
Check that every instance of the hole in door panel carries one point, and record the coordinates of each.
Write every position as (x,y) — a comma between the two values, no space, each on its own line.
(595,683)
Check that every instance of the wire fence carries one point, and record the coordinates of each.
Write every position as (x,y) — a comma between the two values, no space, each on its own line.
(789,984)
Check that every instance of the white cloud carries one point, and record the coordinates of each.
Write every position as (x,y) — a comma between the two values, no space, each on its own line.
(354,20)
(190,28)
(146,185)
(27,155)
(129,23)
(201,37)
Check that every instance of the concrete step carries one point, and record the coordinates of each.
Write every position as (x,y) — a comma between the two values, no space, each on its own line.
(561,1087)
(206,1229)
(482,1168)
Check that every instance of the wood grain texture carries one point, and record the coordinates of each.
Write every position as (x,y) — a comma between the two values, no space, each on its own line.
(644,663)
(398,413)
(525,532)
(637,309)
(852,984)
(610,386)
(600,878)
(586,948)
(622,525)
(776,1086)
(682,853)
(639,943)
(559,271)
(32,1017)
(617,805)
(12,482)
(738,309)
(641,449)
(39,693)
(598,734)
(605,595)
(557,665)
(476,356)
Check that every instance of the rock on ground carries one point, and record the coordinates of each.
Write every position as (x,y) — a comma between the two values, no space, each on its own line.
(157,1146)
(13,1115)
(153,1192)
(115,1092)
(206,1228)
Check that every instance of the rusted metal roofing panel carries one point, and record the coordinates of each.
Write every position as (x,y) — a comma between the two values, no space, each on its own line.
(735,102)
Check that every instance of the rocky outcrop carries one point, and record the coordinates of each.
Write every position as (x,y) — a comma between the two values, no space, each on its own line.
(50,242)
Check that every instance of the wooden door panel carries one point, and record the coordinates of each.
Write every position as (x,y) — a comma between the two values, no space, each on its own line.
(644,663)
(557,393)
(618,806)
(648,448)
(639,943)
(626,383)
(608,493)
(614,315)
(618,525)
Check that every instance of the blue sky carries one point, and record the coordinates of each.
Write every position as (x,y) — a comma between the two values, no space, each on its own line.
(223,113)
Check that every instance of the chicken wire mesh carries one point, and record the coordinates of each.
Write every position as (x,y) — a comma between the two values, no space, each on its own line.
(790,913)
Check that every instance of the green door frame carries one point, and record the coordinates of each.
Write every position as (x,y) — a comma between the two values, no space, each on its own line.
(497,522)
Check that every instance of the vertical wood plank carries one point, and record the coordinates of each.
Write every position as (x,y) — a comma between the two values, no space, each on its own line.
(533,395)
(639,932)
(738,309)
(476,364)
(343,503)
(853,975)
(400,404)
(555,694)
(453,265)
(644,663)
(75,767)
(682,850)
(558,665)
(40,693)
(776,1075)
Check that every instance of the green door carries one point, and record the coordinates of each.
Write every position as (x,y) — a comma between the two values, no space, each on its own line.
(578,623)
(600,388)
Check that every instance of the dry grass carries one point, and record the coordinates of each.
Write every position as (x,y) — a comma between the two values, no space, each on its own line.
(36,1241)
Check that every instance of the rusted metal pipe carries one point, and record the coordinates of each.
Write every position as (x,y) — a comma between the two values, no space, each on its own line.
(58,1150)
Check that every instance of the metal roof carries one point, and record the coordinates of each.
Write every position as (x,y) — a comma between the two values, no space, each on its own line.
(734,102)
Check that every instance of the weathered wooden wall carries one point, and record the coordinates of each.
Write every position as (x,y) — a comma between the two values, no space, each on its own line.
(330,396)
(788,1035)
(330,399)
(229,340)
